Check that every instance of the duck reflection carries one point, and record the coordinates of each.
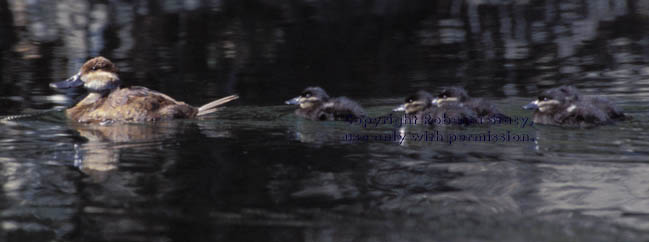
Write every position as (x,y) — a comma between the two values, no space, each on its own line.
(101,153)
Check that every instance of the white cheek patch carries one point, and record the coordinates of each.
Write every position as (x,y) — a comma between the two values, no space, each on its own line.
(439,101)
(545,105)
(415,104)
(100,76)
(418,103)
(94,85)
(307,99)
(100,80)
(571,108)
(548,102)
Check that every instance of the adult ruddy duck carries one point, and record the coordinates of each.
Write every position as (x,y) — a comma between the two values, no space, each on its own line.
(564,106)
(315,104)
(106,101)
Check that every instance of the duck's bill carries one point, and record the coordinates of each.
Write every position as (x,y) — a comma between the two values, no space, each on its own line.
(74,81)
(293,101)
(532,106)
(401,108)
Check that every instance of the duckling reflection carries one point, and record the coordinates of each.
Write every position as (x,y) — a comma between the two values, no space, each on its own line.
(315,104)
(422,108)
(318,133)
(457,97)
(564,106)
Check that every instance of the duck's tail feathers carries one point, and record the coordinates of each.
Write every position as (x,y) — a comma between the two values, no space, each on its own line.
(213,105)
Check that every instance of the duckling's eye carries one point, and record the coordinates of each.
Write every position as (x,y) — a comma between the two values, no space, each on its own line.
(94,68)
(543,98)
(306,94)
(409,100)
(443,95)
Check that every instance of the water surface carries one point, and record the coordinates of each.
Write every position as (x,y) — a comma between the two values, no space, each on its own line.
(256,172)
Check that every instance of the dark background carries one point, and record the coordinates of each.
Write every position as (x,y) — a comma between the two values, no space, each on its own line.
(269,51)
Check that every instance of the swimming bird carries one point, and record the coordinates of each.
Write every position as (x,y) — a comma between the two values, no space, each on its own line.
(564,106)
(458,96)
(107,101)
(421,106)
(315,104)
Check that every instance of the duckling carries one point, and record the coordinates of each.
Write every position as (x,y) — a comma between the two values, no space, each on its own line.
(315,104)
(458,96)
(106,101)
(564,106)
(418,105)
(421,106)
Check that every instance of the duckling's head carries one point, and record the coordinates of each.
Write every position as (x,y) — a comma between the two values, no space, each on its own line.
(416,103)
(555,99)
(311,97)
(97,75)
(451,94)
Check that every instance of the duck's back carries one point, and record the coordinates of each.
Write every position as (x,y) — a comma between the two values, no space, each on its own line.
(607,107)
(485,109)
(456,114)
(134,104)
(581,114)
(342,108)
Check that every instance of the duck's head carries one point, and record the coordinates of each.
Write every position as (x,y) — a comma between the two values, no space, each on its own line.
(555,99)
(451,95)
(415,103)
(97,75)
(310,97)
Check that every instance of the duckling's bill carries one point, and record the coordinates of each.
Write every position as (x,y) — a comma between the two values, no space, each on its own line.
(400,108)
(534,105)
(293,101)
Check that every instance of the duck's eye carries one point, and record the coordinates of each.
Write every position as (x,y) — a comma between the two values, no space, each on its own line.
(306,94)
(409,100)
(543,98)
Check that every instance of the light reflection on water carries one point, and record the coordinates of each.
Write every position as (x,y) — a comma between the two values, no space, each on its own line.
(257,172)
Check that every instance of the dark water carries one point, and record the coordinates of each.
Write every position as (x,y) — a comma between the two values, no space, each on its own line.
(256,172)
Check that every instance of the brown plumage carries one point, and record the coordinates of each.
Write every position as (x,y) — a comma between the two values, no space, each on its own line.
(108,102)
